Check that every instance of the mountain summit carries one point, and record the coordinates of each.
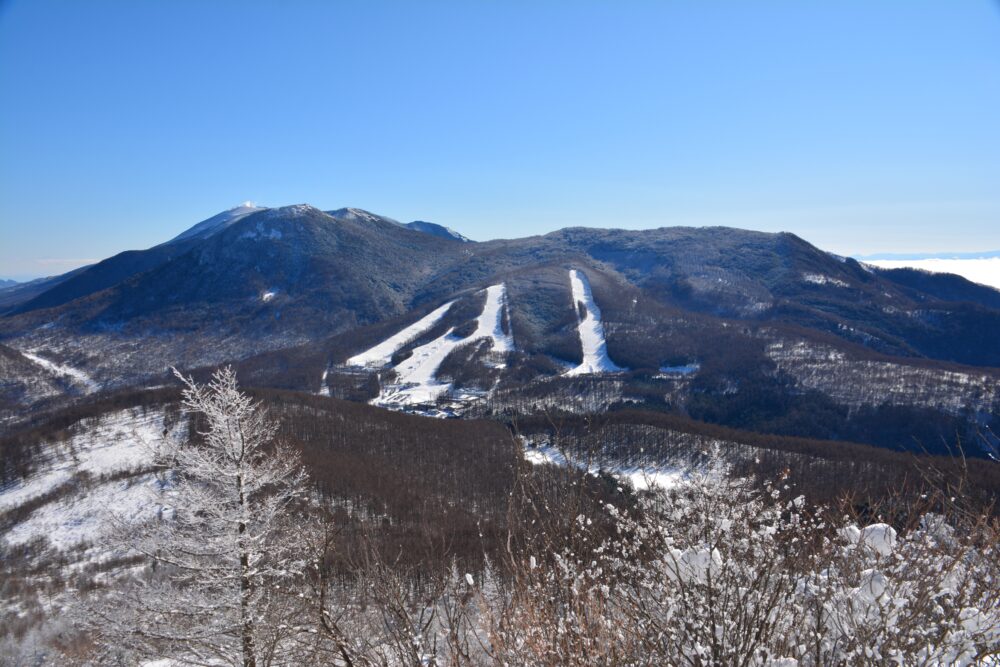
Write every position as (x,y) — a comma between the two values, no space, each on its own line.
(217,222)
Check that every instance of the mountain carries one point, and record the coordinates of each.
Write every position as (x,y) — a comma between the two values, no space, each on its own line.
(360,216)
(109,272)
(50,292)
(19,293)
(436,230)
(7,283)
(206,228)
(751,330)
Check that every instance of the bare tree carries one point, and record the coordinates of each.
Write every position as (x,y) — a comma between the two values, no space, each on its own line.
(221,551)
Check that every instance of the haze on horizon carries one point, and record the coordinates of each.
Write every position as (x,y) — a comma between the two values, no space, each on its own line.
(865,129)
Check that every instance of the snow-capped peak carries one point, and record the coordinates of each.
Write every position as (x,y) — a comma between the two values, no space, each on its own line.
(435,229)
(357,215)
(218,222)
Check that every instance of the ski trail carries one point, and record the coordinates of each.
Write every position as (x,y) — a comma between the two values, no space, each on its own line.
(416,376)
(381,354)
(595,348)
(489,324)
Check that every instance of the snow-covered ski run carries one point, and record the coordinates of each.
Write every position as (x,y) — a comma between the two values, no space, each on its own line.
(595,347)
(416,376)
(381,354)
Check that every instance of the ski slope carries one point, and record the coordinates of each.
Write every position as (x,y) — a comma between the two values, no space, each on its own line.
(595,348)
(489,324)
(381,354)
(416,376)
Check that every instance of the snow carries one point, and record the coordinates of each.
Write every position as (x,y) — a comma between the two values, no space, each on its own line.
(820,279)
(880,538)
(687,369)
(641,477)
(381,354)
(416,382)
(120,442)
(74,374)
(259,232)
(24,490)
(355,215)
(595,348)
(219,221)
(983,270)
(489,322)
(84,515)
(324,388)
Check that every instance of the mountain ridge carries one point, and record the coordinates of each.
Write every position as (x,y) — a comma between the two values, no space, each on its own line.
(291,293)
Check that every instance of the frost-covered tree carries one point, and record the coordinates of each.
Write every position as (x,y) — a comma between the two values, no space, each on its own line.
(222,549)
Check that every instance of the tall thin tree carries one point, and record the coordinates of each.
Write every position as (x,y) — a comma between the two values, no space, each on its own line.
(222,545)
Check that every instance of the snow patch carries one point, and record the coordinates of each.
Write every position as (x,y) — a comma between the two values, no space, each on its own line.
(74,374)
(84,515)
(268,295)
(820,279)
(880,538)
(260,233)
(641,477)
(595,348)
(119,443)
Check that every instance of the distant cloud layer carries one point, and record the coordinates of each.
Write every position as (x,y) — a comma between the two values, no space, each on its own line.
(63,261)
(984,270)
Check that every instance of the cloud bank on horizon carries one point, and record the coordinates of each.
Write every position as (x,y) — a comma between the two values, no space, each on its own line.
(984,270)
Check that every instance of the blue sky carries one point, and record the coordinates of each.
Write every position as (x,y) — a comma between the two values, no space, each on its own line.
(863,126)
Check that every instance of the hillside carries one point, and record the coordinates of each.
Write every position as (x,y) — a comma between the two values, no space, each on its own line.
(746,329)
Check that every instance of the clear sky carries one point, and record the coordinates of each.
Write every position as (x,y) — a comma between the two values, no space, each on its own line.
(864,126)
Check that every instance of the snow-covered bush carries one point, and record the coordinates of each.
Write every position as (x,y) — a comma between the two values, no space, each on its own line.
(719,572)
(716,571)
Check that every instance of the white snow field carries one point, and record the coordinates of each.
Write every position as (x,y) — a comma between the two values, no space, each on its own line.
(641,477)
(595,348)
(686,369)
(982,270)
(121,442)
(381,354)
(416,376)
(79,377)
